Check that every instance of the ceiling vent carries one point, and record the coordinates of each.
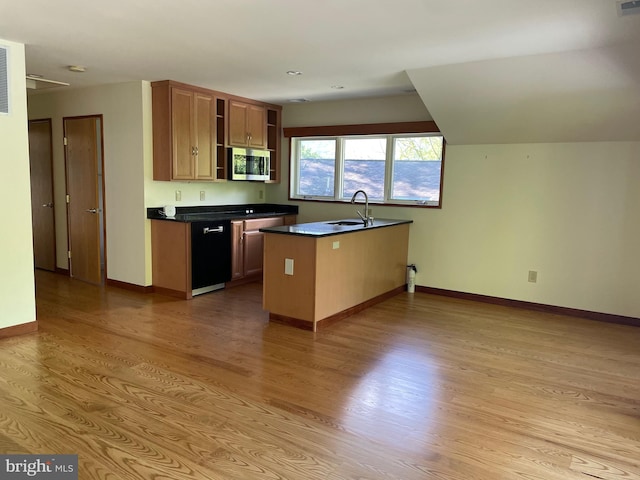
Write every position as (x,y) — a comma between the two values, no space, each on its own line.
(36,82)
(628,8)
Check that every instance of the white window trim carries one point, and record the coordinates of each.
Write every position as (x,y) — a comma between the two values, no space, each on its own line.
(338,196)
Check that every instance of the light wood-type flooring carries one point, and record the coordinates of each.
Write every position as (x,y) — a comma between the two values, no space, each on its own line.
(418,387)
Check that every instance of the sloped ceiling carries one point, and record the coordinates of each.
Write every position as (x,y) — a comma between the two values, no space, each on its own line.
(577,96)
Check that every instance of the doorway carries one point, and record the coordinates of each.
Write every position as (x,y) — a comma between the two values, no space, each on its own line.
(85,197)
(42,215)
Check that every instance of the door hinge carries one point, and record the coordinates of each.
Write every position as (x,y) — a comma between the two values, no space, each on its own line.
(64,141)
(69,253)
(68,199)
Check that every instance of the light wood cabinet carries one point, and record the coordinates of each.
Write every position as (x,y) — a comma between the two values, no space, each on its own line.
(253,248)
(247,125)
(334,276)
(194,126)
(171,258)
(247,249)
(188,133)
(237,249)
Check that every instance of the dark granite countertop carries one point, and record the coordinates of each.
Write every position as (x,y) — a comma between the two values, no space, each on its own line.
(223,212)
(332,227)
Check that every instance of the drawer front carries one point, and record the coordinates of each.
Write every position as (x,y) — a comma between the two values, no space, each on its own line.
(258,223)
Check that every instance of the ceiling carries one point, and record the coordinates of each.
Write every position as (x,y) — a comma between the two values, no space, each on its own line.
(474,63)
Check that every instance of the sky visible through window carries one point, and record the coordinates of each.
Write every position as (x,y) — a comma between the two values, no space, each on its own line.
(415,173)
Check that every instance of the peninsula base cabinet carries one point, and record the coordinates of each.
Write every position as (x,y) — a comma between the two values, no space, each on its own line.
(247,246)
(334,276)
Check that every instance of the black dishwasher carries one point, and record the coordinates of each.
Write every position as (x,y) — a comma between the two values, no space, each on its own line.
(210,255)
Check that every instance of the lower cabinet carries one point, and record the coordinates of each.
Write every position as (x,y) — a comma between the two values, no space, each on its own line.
(247,246)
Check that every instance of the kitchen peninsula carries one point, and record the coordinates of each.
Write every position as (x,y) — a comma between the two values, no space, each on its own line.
(318,273)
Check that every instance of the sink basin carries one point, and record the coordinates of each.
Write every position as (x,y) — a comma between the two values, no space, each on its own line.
(346,222)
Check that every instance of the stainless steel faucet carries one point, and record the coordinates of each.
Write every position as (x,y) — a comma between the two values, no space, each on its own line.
(366,218)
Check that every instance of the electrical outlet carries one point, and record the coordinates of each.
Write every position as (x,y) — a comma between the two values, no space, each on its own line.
(178,195)
(288,266)
(533,276)
(336,244)
(202,195)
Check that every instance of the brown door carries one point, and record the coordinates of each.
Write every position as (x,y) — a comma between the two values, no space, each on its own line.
(83,157)
(41,162)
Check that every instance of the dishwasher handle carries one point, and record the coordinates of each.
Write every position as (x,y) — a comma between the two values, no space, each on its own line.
(207,230)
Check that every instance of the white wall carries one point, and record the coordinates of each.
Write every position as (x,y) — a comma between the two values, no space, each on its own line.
(17,293)
(121,107)
(567,211)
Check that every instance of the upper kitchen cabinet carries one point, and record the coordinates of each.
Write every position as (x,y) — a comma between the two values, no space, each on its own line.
(247,125)
(188,131)
(256,125)
(194,126)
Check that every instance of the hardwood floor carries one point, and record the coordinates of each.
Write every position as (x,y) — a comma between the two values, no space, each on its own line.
(418,387)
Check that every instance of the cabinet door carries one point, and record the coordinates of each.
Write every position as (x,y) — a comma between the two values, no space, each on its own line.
(257,126)
(237,250)
(205,140)
(182,127)
(237,124)
(247,125)
(253,246)
(290,219)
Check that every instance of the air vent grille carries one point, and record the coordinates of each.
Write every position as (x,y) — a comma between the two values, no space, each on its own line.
(4,83)
(628,8)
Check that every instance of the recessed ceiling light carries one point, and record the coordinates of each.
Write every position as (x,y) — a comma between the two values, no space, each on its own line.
(298,100)
(294,73)
(337,87)
(76,68)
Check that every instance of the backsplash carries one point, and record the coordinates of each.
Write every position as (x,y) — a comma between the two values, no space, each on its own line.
(190,193)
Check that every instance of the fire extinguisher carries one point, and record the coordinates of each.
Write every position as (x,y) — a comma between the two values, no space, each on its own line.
(411,284)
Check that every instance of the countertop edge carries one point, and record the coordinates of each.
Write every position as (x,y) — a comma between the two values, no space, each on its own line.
(222,212)
(325,229)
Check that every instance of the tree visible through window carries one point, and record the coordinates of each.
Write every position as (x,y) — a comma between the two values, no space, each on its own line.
(417,166)
(317,167)
(395,169)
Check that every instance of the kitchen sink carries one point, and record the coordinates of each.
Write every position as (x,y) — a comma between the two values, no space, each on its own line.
(346,222)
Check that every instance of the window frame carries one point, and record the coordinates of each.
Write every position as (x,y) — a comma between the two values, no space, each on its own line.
(340,133)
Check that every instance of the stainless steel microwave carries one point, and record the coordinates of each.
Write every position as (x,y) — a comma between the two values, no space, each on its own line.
(248,164)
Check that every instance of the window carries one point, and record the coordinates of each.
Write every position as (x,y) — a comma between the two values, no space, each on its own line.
(399,168)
